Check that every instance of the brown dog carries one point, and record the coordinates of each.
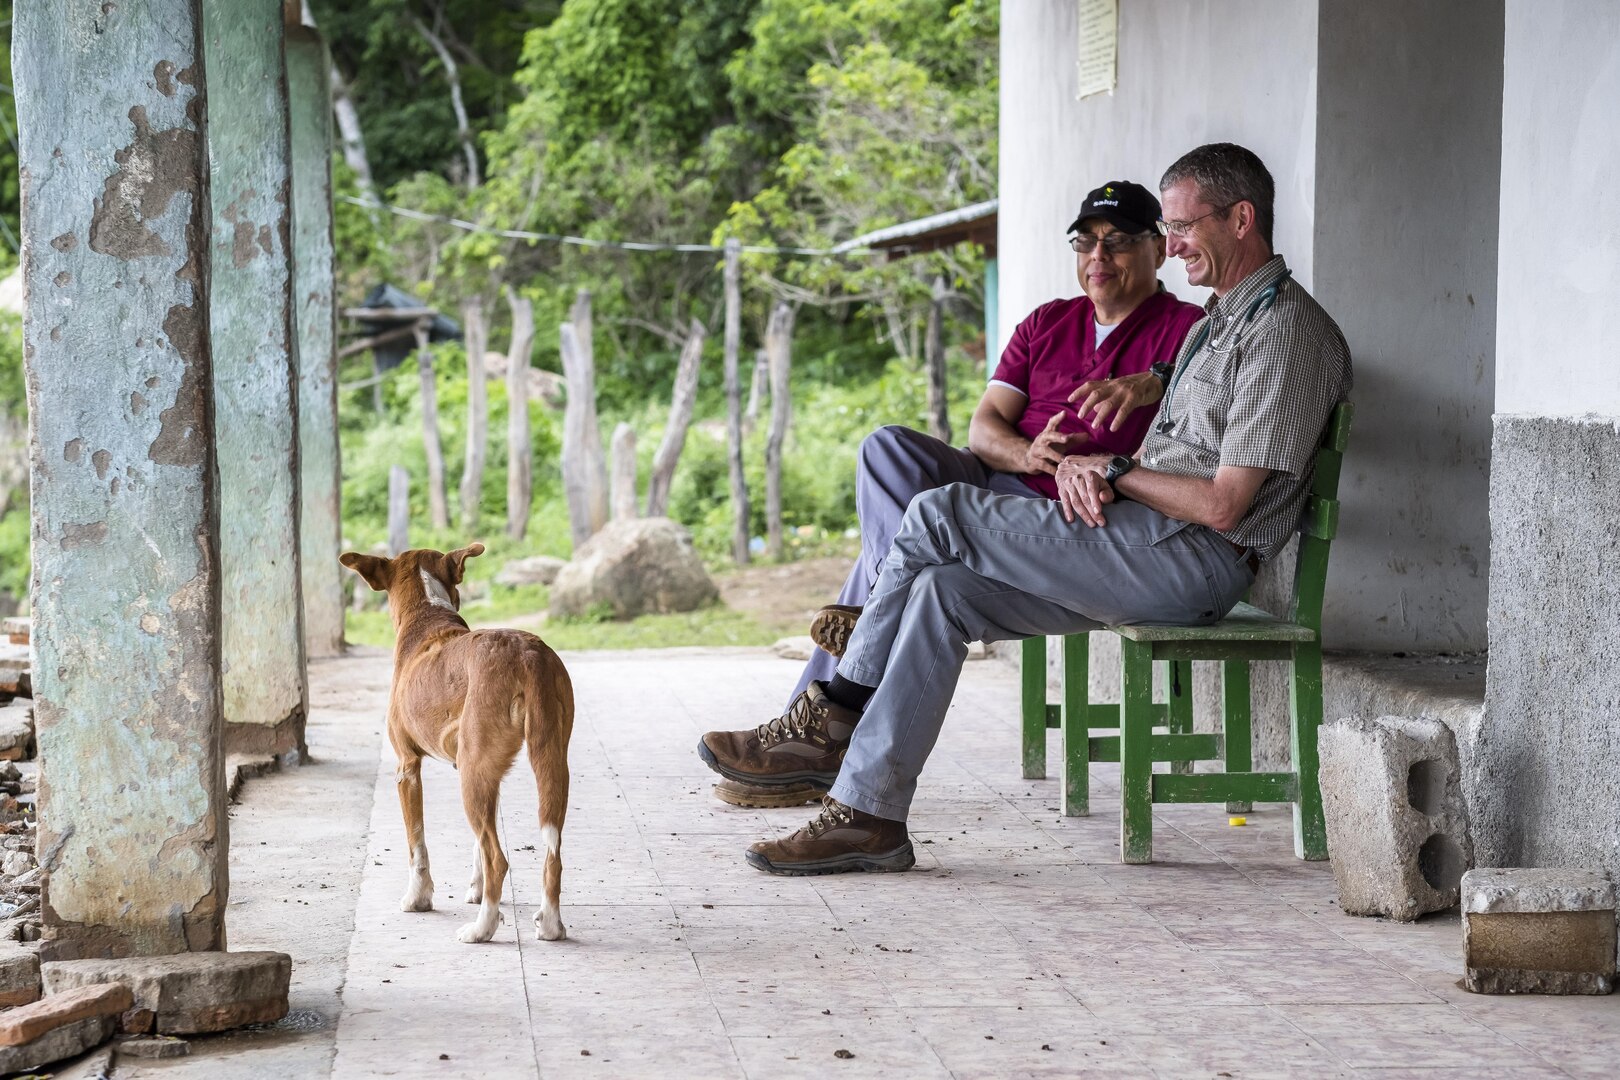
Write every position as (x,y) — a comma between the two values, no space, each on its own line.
(472,698)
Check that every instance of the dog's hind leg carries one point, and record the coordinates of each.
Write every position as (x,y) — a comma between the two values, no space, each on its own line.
(419,890)
(548,757)
(480,796)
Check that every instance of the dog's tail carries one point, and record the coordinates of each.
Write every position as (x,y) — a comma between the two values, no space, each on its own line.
(548,721)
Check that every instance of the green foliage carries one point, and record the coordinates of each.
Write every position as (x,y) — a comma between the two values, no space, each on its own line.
(12,391)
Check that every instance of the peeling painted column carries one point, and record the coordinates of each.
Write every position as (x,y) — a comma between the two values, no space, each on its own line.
(314,285)
(255,377)
(126,595)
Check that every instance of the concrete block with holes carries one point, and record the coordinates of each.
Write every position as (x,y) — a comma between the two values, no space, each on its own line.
(1535,931)
(1397,826)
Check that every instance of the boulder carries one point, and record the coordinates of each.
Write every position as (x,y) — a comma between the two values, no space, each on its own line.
(536,570)
(632,568)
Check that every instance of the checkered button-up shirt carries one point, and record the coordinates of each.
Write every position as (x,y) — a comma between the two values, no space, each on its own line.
(1254,386)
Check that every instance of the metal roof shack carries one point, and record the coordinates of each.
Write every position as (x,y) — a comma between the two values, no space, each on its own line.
(974,224)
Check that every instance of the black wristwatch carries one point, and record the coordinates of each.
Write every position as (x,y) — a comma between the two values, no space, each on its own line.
(1118,466)
(1162,370)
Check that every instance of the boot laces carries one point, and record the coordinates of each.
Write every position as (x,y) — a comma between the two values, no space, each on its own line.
(790,725)
(833,813)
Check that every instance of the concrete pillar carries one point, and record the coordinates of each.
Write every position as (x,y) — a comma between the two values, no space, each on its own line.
(320,523)
(126,588)
(1544,778)
(255,377)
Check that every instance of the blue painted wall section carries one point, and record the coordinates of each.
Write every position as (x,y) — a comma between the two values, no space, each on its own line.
(126,596)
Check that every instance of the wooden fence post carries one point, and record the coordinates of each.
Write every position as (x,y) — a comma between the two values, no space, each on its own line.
(399,510)
(438,507)
(734,449)
(779,351)
(624,473)
(596,487)
(939,420)
(519,449)
(757,390)
(682,400)
(476,337)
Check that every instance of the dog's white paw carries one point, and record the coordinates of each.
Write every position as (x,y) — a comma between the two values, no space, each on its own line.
(548,926)
(418,895)
(475,894)
(483,927)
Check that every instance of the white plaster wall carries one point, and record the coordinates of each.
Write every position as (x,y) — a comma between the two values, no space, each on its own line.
(1190,72)
(1559,277)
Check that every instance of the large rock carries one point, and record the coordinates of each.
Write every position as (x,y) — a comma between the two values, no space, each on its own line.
(188,993)
(631,568)
(1397,828)
(536,570)
(17,731)
(19,974)
(1538,931)
(59,1026)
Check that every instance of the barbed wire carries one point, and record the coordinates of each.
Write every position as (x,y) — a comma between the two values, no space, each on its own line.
(584,241)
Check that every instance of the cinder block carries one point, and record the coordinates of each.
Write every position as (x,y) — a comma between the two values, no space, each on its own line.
(1538,931)
(1397,826)
(189,993)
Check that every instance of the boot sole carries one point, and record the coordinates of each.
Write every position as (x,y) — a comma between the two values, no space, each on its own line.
(831,628)
(776,780)
(758,797)
(901,858)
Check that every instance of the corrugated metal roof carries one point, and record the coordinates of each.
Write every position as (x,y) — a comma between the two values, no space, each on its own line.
(897,235)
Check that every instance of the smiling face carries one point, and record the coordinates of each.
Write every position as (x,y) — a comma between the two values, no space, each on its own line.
(1117,282)
(1209,245)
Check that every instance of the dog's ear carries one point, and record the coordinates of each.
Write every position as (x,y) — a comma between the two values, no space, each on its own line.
(376,571)
(457,560)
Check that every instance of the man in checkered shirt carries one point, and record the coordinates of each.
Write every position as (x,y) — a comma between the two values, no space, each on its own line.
(1174,535)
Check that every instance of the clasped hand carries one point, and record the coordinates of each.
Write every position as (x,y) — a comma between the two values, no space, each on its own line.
(1082,488)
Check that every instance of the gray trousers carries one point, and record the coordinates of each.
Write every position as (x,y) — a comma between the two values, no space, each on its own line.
(895,465)
(967,565)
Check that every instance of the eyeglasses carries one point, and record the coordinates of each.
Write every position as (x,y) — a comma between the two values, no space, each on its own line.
(1182,228)
(1113,243)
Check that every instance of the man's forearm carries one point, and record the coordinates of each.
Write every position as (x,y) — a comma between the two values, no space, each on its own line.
(1185,498)
(998,444)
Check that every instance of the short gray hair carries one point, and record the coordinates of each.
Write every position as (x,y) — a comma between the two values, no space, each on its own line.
(1226,174)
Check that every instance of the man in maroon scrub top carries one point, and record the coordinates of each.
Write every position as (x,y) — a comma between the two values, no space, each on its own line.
(1067,384)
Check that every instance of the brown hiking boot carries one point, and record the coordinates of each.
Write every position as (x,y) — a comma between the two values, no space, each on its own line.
(768,796)
(804,744)
(838,840)
(832,625)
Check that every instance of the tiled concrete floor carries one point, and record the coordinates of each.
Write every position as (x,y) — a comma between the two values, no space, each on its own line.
(1018,947)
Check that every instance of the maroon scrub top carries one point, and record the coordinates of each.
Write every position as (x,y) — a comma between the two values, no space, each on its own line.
(1055,350)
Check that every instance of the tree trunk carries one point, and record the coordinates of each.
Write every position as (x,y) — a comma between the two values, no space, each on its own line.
(519,451)
(939,421)
(438,507)
(476,336)
(734,449)
(624,473)
(399,510)
(452,75)
(681,403)
(779,350)
(596,483)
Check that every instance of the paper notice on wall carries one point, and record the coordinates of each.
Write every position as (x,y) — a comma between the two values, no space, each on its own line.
(1099,46)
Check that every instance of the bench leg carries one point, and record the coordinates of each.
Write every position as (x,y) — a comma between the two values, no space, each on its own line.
(1032,668)
(1305,705)
(1075,774)
(1179,710)
(1136,753)
(1235,724)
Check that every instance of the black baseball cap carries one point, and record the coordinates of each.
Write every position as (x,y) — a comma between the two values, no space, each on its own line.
(1126,206)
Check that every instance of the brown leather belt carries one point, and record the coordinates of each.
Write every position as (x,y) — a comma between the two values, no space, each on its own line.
(1254,556)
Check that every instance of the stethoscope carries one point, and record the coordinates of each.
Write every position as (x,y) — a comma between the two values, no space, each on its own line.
(1258,306)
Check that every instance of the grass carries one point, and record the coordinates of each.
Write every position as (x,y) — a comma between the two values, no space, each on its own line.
(714,625)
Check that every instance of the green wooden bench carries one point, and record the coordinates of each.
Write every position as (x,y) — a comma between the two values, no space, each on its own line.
(1147,732)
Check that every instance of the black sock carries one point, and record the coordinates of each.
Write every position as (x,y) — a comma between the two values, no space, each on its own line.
(849,695)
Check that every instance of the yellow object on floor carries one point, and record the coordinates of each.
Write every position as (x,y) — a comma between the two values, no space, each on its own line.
(1237,821)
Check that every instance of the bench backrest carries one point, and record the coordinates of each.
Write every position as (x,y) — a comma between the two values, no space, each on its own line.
(1320,521)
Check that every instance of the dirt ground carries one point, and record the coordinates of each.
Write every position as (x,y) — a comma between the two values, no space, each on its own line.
(784,596)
